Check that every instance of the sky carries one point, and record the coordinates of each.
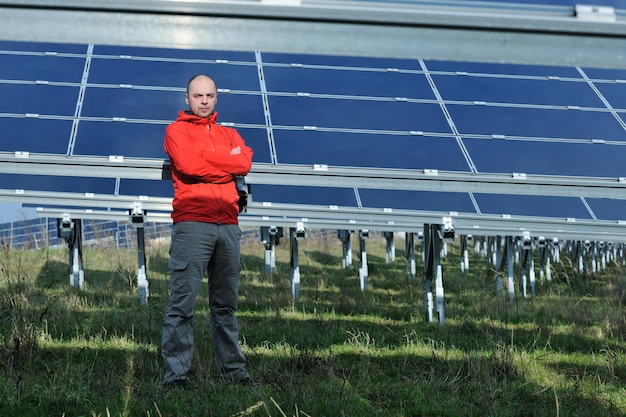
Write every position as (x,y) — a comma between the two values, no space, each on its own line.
(11,212)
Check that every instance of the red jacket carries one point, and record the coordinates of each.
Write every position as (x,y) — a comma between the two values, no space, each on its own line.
(203,170)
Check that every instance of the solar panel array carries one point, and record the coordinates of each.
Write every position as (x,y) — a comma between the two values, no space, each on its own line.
(42,232)
(86,102)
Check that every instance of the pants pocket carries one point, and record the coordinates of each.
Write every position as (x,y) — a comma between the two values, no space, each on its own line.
(177,265)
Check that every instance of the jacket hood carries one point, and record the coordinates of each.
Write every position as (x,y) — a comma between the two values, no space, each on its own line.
(186,116)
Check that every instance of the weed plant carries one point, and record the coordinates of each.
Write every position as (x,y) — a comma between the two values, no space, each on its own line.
(336,351)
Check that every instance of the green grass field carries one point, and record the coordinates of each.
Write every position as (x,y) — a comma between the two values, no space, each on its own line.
(337,351)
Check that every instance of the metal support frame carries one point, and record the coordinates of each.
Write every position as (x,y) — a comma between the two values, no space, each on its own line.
(510,268)
(390,247)
(270,237)
(543,256)
(602,255)
(137,218)
(295,234)
(409,248)
(527,263)
(346,244)
(464,241)
(433,273)
(363,270)
(504,253)
(579,255)
(72,231)
(476,31)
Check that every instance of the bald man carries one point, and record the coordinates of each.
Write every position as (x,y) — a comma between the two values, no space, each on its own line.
(205,159)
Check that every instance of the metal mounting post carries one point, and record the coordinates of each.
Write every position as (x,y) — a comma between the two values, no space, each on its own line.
(505,251)
(409,245)
(270,237)
(579,255)
(363,270)
(527,264)
(137,219)
(72,231)
(556,250)
(391,247)
(295,234)
(344,236)
(510,268)
(542,257)
(465,240)
(498,252)
(602,254)
(433,243)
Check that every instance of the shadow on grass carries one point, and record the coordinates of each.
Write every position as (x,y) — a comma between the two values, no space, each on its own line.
(336,348)
(421,385)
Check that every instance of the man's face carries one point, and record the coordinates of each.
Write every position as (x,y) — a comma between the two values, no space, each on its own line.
(202,96)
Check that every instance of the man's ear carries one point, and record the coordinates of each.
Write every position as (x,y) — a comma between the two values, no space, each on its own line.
(187,98)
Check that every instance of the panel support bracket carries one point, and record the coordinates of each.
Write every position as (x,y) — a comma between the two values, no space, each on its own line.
(72,231)
(137,218)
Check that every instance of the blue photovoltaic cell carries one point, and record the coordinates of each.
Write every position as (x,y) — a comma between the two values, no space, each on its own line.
(519,91)
(258,141)
(118,50)
(164,105)
(605,73)
(508,69)
(67,48)
(534,205)
(368,99)
(535,122)
(38,99)
(171,73)
(615,94)
(240,108)
(357,114)
(347,82)
(368,150)
(152,188)
(321,196)
(131,103)
(143,140)
(137,140)
(52,68)
(608,209)
(341,61)
(35,135)
(57,183)
(547,158)
(417,200)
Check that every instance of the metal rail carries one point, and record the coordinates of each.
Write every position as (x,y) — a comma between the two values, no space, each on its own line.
(473,31)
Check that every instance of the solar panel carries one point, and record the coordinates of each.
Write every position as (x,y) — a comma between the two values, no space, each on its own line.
(370,114)
(400,150)
(494,31)
(547,157)
(613,3)
(377,131)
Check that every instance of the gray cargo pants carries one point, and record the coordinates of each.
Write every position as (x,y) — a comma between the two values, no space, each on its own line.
(197,248)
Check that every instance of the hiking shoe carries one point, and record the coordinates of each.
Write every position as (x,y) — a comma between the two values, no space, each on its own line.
(178,384)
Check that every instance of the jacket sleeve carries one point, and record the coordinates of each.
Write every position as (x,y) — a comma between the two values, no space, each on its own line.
(236,165)
(209,167)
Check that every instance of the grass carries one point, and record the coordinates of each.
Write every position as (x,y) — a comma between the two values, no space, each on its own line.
(337,351)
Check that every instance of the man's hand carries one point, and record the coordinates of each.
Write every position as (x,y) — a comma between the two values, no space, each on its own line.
(235,151)
(242,189)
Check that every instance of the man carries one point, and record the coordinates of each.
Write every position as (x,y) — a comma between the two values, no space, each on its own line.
(205,158)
